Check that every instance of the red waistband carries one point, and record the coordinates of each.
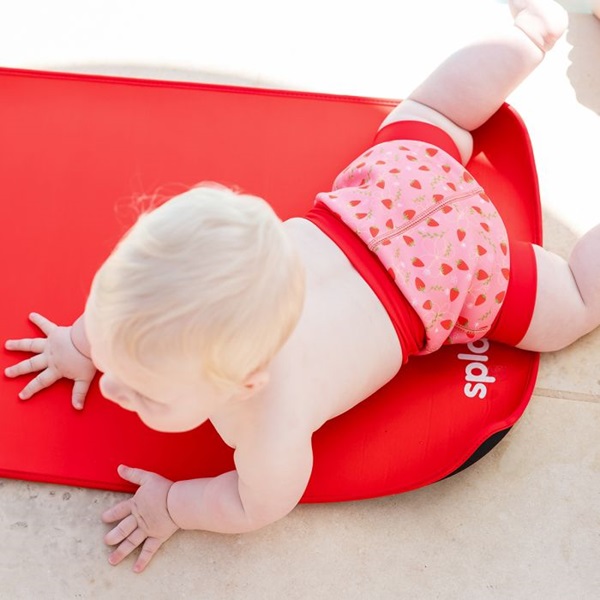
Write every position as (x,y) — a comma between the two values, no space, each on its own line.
(516,313)
(407,323)
(421,131)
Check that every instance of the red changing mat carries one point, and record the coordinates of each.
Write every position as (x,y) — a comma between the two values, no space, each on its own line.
(75,152)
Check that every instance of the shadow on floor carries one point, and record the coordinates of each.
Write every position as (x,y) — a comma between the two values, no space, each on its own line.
(161,72)
(584,72)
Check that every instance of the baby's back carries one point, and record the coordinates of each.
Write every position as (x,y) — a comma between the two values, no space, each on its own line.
(344,347)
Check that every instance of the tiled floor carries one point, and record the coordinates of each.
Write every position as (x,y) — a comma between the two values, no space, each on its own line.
(522,524)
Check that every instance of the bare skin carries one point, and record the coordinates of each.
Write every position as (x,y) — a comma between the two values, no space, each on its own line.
(271,422)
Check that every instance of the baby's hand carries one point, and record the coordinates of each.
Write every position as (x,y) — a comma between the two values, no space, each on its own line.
(144,518)
(55,357)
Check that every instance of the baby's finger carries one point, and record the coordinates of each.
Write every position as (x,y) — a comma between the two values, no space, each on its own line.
(117,512)
(80,390)
(36,345)
(149,549)
(30,365)
(44,324)
(123,530)
(126,547)
(137,476)
(45,379)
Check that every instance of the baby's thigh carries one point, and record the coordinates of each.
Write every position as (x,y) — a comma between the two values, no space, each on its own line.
(559,316)
(410,110)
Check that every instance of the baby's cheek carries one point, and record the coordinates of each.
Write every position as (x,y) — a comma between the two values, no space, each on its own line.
(111,389)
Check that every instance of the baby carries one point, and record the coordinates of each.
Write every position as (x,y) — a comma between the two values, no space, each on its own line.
(212,308)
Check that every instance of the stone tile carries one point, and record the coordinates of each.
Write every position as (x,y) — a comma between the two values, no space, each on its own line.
(572,372)
(522,523)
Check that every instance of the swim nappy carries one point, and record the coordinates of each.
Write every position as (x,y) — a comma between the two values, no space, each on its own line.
(433,228)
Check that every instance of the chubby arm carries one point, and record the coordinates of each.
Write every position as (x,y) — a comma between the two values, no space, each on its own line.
(266,485)
(268,482)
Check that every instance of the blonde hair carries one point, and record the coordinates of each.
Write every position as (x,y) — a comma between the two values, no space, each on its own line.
(211,275)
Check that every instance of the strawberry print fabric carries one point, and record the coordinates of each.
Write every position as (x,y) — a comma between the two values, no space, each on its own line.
(436,232)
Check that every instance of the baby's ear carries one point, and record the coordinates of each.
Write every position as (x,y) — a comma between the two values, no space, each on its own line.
(256,381)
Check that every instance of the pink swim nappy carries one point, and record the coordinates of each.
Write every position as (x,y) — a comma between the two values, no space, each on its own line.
(434,229)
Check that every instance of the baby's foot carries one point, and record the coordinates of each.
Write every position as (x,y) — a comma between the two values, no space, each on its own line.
(543,21)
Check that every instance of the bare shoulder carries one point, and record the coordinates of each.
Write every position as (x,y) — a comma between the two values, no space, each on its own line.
(273,455)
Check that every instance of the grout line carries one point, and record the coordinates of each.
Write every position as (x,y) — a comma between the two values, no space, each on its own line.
(567,395)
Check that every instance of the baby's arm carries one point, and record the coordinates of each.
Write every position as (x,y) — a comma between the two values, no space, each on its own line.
(268,482)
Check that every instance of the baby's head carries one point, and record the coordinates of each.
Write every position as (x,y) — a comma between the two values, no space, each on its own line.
(204,289)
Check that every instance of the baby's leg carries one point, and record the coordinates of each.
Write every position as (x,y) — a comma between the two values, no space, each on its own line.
(471,85)
(567,304)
